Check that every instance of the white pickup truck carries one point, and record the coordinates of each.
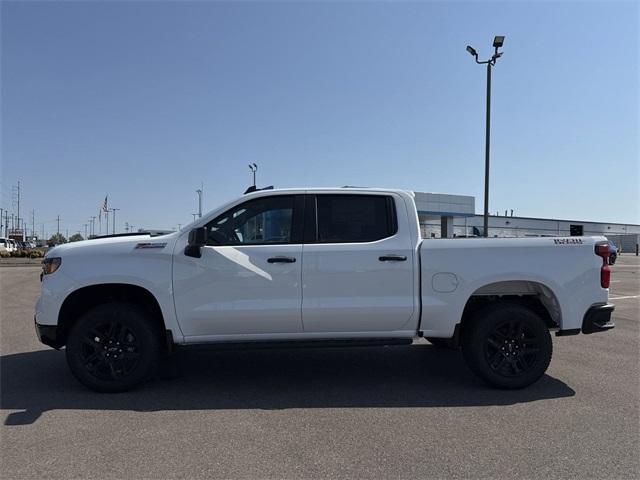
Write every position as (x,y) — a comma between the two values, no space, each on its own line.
(343,266)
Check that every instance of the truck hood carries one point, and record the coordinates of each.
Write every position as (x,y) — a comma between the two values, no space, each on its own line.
(97,246)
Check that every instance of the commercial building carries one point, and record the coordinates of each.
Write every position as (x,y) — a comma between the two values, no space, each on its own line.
(450,216)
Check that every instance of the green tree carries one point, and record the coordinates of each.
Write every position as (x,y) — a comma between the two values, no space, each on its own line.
(76,237)
(57,238)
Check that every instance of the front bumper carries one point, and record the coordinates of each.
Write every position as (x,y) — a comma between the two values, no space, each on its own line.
(48,334)
(598,319)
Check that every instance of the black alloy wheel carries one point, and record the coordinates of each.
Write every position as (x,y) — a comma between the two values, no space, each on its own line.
(508,345)
(512,348)
(113,347)
(110,350)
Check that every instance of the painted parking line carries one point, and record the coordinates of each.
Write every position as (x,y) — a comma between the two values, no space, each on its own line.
(622,298)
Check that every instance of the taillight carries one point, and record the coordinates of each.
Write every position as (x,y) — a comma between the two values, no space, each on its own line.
(602,250)
(605,276)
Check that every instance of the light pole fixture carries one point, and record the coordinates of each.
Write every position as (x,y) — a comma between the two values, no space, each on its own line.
(498,41)
(254,168)
(199,192)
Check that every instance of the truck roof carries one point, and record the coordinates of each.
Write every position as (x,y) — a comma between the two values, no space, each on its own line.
(343,189)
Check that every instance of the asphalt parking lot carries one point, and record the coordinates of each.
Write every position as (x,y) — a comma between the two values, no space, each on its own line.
(339,413)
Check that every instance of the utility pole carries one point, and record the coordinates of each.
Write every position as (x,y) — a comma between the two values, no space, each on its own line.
(1,220)
(498,42)
(33,223)
(114,219)
(43,231)
(107,217)
(6,223)
(58,228)
(85,231)
(15,222)
(199,192)
(93,225)
(18,203)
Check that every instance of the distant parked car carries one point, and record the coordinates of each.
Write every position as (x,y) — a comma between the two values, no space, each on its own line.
(4,245)
(613,252)
(13,245)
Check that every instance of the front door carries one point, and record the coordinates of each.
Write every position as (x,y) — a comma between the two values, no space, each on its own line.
(247,280)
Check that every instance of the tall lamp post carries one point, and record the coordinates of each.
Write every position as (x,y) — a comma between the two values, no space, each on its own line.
(498,41)
(254,168)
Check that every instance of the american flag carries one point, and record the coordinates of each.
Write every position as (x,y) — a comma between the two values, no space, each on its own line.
(105,208)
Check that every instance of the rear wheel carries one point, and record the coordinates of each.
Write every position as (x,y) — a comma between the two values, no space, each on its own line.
(507,345)
(113,347)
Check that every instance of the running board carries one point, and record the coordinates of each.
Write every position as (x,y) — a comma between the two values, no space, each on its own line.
(321,343)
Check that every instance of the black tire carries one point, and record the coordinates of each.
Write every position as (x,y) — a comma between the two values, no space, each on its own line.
(507,345)
(113,347)
(441,342)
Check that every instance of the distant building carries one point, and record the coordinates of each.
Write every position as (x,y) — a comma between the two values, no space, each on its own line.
(449,216)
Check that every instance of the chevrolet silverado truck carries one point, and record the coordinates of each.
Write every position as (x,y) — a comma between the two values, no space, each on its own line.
(318,267)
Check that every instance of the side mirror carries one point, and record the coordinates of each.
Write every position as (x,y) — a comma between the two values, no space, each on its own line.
(198,237)
(197,240)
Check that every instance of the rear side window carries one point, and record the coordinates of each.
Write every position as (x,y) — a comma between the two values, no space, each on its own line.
(355,218)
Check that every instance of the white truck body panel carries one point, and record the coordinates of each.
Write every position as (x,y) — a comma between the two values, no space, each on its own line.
(347,289)
(569,271)
(111,260)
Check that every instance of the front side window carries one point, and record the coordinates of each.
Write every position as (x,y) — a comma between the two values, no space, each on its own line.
(267,220)
(355,218)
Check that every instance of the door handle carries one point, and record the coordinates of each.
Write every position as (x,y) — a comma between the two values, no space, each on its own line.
(281,260)
(392,258)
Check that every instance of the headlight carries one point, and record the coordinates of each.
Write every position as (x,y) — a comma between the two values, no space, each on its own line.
(50,265)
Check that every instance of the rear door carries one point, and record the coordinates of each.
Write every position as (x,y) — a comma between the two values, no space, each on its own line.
(358,260)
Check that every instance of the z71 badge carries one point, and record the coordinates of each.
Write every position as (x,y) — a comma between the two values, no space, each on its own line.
(567,241)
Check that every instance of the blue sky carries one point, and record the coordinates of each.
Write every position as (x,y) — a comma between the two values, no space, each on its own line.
(144,100)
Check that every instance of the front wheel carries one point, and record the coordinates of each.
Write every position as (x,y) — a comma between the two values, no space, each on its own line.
(113,347)
(507,345)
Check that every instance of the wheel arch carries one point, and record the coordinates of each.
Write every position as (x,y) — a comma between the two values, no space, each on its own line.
(83,299)
(531,294)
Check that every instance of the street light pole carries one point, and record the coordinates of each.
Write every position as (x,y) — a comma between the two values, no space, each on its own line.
(498,42)
(114,210)
(254,168)
(199,192)
(487,143)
